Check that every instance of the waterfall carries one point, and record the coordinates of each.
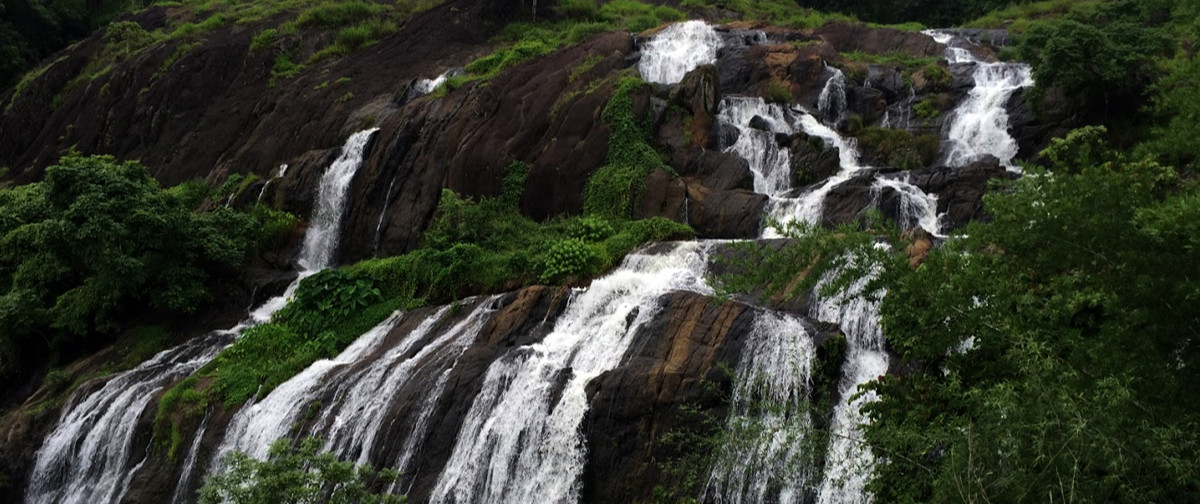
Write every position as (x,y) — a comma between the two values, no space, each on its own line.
(677,50)
(764,457)
(831,103)
(426,86)
(321,240)
(261,192)
(257,425)
(347,398)
(189,462)
(520,440)
(848,460)
(86,459)
(917,208)
(770,164)
(979,125)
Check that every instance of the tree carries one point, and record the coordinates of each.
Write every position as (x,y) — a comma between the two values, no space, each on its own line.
(1050,354)
(296,475)
(97,241)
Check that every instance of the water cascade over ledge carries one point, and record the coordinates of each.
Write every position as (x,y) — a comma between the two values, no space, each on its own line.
(979,125)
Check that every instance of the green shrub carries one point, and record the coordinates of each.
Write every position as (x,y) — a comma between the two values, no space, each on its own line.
(590,229)
(927,108)
(355,37)
(294,474)
(778,92)
(937,76)
(97,240)
(897,148)
(568,257)
(613,188)
(579,9)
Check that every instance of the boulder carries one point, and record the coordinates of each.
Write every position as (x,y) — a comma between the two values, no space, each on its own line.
(960,189)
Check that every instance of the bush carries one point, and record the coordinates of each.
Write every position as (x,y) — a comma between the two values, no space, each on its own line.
(897,148)
(295,474)
(568,257)
(98,240)
(778,92)
(579,9)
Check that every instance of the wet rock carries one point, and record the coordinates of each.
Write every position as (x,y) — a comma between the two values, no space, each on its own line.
(848,37)
(869,103)
(759,123)
(888,81)
(811,159)
(960,190)
(722,171)
(724,214)
(673,362)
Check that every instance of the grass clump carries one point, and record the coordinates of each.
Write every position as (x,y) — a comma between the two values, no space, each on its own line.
(927,108)
(355,37)
(778,92)
(338,14)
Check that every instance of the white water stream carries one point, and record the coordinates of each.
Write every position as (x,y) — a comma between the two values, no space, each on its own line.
(520,444)
(979,125)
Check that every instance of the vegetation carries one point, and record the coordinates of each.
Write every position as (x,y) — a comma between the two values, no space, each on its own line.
(777,12)
(579,19)
(98,242)
(296,474)
(897,148)
(470,248)
(1049,352)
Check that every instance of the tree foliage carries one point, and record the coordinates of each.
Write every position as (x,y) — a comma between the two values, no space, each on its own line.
(1050,352)
(297,474)
(98,240)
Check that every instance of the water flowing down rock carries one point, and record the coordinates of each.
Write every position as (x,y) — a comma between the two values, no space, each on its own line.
(675,51)
(980,123)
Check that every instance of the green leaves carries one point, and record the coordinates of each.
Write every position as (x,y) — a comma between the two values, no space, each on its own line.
(1049,350)
(297,474)
(98,240)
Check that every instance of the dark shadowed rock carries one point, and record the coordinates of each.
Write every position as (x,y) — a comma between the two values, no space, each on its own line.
(724,214)
(960,189)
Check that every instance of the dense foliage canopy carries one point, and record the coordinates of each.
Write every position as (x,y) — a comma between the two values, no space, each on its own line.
(1052,350)
(97,241)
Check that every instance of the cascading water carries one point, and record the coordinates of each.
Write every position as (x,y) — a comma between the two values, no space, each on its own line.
(979,125)
(278,174)
(848,460)
(86,459)
(764,457)
(677,50)
(321,240)
(520,441)
(770,164)
(831,103)
(359,385)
